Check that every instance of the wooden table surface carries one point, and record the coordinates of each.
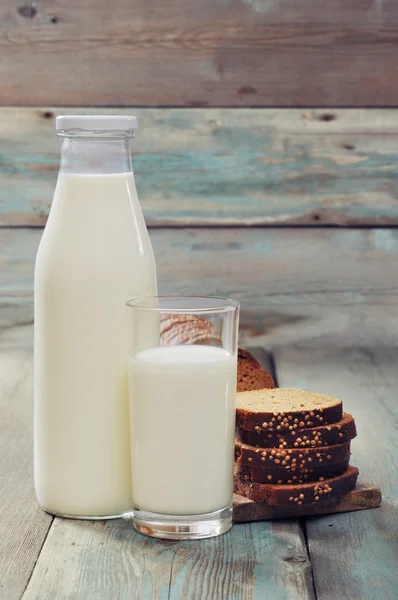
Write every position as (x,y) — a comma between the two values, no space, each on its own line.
(345,556)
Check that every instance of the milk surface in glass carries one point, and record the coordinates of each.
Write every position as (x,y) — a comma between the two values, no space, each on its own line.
(182,426)
(94,254)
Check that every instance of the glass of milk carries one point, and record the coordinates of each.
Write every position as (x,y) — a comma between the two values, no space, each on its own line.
(182,415)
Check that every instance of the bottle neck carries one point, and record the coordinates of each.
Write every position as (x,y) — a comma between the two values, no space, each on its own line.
(95,156)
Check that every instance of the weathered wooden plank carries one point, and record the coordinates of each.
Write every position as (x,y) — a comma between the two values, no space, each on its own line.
(16,320)
(23,526)
(363,497)
(357,557)
(181,52)
(228,167)
(307,286)
(105,560)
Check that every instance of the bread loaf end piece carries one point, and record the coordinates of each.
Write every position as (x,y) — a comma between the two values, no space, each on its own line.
(251,375)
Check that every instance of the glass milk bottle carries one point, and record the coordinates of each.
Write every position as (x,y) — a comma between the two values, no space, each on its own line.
(94,255)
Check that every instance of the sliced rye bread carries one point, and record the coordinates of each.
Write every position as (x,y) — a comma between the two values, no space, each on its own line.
(283,409)
(290,459)
(251,375)
(324,435)
(188,329)
(281,476)
(321,493)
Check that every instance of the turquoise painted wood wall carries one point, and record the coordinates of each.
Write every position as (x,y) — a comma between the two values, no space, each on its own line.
(244,194)
(224,166)
(293,212)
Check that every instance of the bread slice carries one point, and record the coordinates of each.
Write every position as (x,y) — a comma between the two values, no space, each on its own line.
(251,375)
(324,435)
(281,476)
(291,459)
(285,409)
(320,493)
(188,329)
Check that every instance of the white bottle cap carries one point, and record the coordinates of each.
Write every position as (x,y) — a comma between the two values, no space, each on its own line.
(96,123)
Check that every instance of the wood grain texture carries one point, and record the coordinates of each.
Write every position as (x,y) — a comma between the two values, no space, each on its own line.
(363,497)
(224,167)
(357,557)
(105,560)
(306,286)
(23,526)
(181,52)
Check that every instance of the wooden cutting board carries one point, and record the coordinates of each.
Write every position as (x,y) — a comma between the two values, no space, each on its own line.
(364,496)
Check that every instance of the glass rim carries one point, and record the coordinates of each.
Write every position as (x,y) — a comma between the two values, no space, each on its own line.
(96,134)
(224,304)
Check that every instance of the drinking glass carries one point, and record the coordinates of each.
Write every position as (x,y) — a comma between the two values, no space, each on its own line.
(182,386)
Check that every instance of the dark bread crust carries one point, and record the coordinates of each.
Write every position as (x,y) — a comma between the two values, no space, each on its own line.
(324,435)
(290,459)
(251,375)
(319,493)
(281,476)
(275,419)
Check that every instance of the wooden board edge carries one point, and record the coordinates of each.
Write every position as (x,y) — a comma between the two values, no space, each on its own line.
(363,497)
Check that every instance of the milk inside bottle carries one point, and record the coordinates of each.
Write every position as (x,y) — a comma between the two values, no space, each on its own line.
(94,255)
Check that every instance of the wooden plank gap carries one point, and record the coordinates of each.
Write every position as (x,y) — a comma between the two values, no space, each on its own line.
(303,525)
(38,555)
